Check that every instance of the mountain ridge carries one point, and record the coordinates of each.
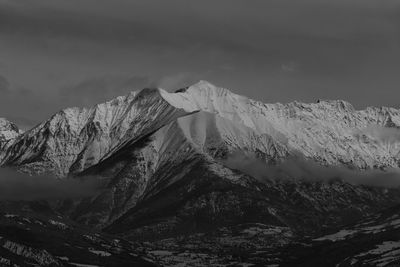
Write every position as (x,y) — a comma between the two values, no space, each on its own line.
(329,132)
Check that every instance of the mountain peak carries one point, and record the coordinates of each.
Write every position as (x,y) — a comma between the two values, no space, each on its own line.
(202,95)
(201,85)
(339,104)
(206,88)
(204,83)
(8,130)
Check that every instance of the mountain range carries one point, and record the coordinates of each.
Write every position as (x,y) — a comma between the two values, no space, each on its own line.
(203,176)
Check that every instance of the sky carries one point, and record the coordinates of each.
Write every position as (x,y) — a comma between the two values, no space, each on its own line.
(60,53)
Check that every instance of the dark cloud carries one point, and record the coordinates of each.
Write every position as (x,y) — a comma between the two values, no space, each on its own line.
(257,27)
(278,50)
(303,169)
(19,186)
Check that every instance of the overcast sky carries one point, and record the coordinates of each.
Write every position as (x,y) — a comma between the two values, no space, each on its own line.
(60,53)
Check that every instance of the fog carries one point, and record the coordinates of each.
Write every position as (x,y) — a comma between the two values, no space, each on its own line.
(298,168)
(20,186)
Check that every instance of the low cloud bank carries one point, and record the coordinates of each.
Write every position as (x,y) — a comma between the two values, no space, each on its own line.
(298,168)
(380,133)
(20,186)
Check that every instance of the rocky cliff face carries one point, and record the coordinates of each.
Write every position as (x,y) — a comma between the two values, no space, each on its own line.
(8,133)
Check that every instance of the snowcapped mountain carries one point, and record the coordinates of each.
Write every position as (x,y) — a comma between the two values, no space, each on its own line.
(136,142)
(162,158)
(74,139)
(329,132)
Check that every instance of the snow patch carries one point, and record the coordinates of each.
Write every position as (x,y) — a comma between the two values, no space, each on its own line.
(100,252)
(59,225)
(341,235)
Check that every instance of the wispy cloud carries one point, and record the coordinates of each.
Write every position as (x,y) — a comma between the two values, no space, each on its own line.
(380,133)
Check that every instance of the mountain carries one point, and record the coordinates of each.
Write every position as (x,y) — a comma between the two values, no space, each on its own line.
(330,132)
(74,139)
(213,173)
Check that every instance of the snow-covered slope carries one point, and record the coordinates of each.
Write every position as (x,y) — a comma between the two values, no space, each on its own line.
(218,136)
